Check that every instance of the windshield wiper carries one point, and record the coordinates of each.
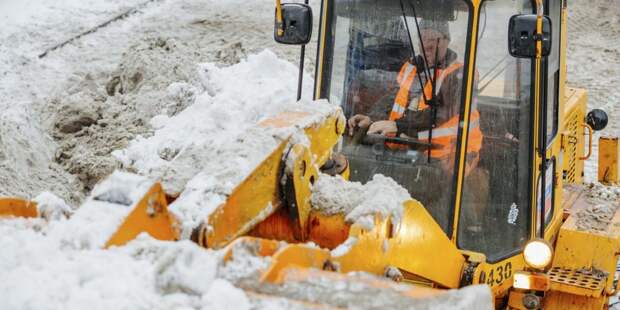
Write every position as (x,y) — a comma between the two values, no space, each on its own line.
(414,59)
(431,102)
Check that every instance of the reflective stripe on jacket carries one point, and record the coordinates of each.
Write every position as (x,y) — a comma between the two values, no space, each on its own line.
(444,134)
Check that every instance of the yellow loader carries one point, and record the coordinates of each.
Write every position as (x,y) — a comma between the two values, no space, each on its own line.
(501,205)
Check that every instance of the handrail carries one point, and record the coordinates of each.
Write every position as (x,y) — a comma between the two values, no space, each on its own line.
(590,133)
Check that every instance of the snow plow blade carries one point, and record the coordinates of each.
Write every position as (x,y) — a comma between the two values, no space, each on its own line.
(306,281)
(14,207)
(122,207)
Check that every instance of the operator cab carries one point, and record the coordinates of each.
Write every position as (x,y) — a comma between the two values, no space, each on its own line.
(458,136)
(365,47)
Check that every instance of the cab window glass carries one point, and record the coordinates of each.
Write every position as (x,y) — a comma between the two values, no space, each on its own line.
(401,92)
(552,62)
(494,217)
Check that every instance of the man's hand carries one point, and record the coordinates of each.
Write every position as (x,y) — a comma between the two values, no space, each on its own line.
(383,128)
(359,120)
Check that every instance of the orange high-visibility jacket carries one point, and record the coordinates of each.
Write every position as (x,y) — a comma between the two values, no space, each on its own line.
(444,134)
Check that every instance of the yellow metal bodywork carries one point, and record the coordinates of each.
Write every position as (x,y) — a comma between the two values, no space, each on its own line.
(584,264)
(258,196)
(12,207)
(572,139)
(499,275)
(608,150)
(251,202)
(558,300)
(150,215)
(417,246)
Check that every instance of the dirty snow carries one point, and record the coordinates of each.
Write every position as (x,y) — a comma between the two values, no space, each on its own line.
(360,202)
(73,107)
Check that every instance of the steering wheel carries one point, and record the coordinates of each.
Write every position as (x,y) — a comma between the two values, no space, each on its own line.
(372,139)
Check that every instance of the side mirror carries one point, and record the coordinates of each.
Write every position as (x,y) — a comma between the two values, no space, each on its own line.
(522,36)
(597,119)
(296,25)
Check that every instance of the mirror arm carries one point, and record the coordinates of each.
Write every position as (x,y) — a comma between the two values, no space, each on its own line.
(279,21)
(540,12)
(302,59)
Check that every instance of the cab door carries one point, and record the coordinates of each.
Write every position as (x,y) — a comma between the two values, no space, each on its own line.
(495,211)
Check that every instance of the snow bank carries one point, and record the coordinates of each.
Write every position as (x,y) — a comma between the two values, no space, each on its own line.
(360,202)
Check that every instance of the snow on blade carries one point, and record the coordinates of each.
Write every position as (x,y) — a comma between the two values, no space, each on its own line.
(52,207)
(99,217)
(236,98)
(206,150)
(360,203)
(231,163)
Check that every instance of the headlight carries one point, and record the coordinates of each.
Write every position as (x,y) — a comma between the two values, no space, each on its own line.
(537,254)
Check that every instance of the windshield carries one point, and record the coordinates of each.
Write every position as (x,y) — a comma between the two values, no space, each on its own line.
(397,70)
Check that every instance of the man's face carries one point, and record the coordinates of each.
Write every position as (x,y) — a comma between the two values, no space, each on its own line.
(434,42)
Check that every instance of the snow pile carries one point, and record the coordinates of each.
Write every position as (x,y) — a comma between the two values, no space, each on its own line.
(236,98)
(210,147)
(39,271)
(26,156)
(360,202)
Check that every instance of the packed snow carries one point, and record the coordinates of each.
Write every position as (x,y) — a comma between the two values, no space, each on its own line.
(360,202)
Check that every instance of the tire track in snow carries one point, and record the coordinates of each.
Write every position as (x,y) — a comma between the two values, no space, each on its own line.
(119,17)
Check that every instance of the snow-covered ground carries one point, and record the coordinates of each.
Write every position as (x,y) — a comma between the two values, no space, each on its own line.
(593,58)
(147,75)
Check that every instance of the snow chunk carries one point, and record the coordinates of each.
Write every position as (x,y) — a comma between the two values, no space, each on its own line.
(51,207)
(360,203)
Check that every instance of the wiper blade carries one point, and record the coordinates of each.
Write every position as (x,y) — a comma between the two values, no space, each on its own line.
(415,18)
(415,59)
